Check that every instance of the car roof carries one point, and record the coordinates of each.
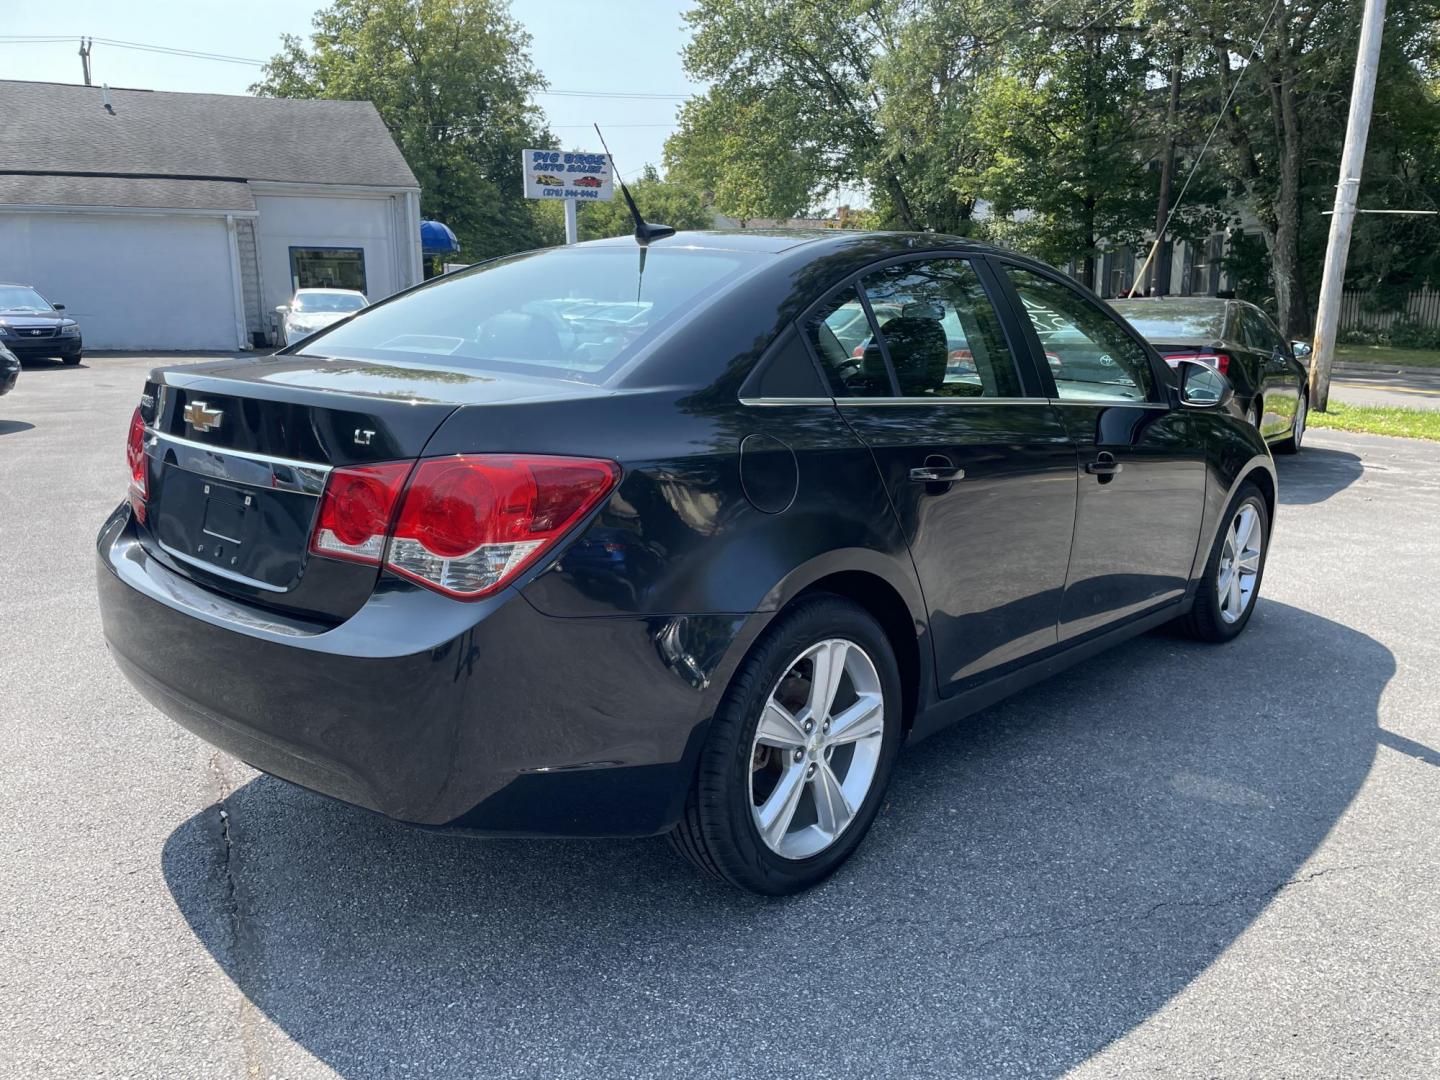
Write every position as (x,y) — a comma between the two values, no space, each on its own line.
(18,284)
(340,292)
(775,241)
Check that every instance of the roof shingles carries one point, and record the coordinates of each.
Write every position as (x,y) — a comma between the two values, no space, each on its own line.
(63,128)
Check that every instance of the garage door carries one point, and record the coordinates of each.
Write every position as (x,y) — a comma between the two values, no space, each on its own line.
(131,282)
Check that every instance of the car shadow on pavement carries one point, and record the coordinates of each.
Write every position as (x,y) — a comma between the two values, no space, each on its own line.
(1316,473)
(11,427)
(1041,880)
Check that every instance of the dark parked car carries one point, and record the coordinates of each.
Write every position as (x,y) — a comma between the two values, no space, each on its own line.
(476,565)
(9,370)
(1240,340)
(32,326)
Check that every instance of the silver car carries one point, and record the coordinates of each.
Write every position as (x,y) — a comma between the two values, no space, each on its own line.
(314,309)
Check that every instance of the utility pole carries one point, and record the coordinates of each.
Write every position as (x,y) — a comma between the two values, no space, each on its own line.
(1160,258)
(1357,130)
(85,44)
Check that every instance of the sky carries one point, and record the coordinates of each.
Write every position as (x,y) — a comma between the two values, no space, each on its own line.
(605,46)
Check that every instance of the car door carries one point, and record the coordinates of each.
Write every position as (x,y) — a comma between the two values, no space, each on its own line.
(978,464)
(1142,480)
(1281,382)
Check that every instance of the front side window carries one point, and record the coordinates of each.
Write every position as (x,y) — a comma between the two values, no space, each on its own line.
(1091,357)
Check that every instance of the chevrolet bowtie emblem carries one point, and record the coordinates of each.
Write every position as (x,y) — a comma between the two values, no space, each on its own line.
(200,418)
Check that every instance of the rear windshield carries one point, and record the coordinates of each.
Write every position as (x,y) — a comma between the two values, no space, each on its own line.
(576,313)
(1157,324)
(327,302)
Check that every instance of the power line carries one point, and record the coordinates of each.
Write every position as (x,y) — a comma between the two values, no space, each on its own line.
(139,46)
(1200,157)
(227,58)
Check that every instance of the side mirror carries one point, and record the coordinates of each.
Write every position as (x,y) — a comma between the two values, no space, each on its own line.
(283,309)
(1201,386)
(58,307)
(1301,349)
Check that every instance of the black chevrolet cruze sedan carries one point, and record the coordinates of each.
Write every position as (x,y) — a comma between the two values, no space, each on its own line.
(618,541)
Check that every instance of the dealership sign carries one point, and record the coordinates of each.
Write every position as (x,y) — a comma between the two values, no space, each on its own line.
(556,174)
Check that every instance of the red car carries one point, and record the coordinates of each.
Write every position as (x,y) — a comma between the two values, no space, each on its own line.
(588,181)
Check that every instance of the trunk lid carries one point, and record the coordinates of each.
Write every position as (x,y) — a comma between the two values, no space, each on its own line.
(241,450)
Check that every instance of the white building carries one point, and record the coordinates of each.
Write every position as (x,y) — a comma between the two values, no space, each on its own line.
(180,221)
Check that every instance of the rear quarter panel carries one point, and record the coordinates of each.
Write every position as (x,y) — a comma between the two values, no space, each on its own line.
(681,534)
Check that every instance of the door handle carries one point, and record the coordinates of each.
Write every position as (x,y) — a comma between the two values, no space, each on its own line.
(1104,465)
(937,474)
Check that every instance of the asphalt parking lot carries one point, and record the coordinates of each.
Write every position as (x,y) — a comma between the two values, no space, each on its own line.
(1173,860)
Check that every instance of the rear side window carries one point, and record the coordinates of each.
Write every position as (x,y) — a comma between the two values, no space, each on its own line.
(938,335)
(838,332)
(576,313)
(1091,357)
(1259,334)
(941,333)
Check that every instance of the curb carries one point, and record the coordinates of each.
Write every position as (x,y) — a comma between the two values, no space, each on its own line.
(1384,369)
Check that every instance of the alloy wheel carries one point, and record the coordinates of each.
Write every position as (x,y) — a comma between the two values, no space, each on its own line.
(816,748)
(1239,567)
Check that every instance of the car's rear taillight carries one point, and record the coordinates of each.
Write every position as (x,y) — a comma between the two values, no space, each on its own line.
(135,458)
(356,511)
(1219,361)
(466,525)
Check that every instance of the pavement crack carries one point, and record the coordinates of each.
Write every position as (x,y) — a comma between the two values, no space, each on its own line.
(243,955)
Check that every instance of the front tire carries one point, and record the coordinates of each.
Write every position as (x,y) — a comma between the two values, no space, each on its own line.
(1230,586)
(799,752)
(70,361)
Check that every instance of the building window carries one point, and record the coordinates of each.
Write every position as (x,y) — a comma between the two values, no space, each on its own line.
(1203,276)
(327,268)
(1121,274)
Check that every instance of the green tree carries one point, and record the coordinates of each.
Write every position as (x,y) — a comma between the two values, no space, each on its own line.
(740,149)
(1066,122)
(452,80)
(1285,69)
(677,205)
(801,69)
(661,203)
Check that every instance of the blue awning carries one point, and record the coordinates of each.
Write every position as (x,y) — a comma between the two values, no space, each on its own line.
(436,238)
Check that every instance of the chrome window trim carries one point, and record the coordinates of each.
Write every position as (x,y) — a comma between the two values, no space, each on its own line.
(219,571)
(769,402)
(942,401)
(1107,403)
(305,477)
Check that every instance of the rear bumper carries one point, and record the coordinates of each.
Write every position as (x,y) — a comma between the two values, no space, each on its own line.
(486,717)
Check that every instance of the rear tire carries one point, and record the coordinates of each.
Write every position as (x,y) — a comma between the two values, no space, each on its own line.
(830,776)
(1291,445)
(1225,600)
